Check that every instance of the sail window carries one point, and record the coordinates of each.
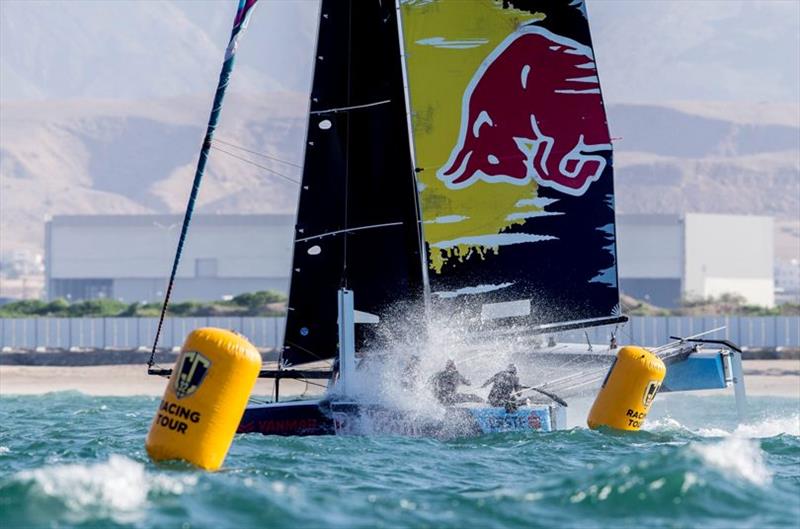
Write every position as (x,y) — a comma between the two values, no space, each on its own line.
(325,124)
(314,250)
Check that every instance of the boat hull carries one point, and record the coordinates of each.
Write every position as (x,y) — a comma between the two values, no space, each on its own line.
(288,418)
(324,417)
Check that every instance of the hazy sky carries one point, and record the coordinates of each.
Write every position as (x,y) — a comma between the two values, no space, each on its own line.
(647,50)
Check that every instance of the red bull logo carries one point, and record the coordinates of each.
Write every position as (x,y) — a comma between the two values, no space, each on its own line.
(532,111)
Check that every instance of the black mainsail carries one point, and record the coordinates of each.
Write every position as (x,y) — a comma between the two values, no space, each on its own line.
(357,221)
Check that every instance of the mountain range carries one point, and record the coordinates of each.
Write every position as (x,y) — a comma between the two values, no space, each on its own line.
(96,156)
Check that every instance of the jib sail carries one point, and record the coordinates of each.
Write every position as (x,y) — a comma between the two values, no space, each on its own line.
(357,221)
(514,161)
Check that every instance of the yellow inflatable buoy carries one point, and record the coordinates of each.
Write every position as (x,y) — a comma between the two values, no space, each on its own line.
(204,399)
(628,391)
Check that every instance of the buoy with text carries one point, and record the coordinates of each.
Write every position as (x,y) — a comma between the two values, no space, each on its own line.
(205,398)
(628,390)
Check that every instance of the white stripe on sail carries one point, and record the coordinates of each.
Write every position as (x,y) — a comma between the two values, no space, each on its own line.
(478,289)
(538,202)
(446,219)
(497,239)
(441,42)
(531,214)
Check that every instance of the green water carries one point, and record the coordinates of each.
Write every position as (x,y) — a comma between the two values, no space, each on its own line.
(70,460)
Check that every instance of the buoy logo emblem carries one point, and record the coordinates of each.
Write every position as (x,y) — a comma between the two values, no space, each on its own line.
(650,393)
(192,369)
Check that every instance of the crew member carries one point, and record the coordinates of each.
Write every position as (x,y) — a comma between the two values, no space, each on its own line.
(408,379)
(445,385)
(505,387)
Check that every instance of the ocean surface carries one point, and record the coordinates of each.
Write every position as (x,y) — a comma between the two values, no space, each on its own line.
(71,460)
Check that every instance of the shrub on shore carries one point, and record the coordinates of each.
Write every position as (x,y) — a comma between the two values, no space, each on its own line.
(724,305)
(262,303)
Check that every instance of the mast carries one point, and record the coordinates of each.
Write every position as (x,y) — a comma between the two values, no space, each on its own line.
(423,261)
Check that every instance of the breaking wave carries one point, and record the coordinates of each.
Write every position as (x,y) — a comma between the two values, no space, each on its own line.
(116,489)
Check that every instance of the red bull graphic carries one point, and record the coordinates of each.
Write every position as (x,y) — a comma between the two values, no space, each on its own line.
(532,111)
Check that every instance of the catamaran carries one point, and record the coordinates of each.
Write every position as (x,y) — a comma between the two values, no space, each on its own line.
(457,200)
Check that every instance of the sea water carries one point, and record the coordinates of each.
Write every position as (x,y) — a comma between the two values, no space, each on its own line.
(71,460)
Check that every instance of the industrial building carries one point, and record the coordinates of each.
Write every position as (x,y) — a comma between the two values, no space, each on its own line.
(666,258)
(787,281)
(129,257)
(662,258)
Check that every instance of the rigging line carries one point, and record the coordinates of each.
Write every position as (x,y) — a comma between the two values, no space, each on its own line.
(273,171)
(561,367)
(587,378)
(267,156)
(352,107)
(313,384)
(683,340)
(312,353)
(337,232)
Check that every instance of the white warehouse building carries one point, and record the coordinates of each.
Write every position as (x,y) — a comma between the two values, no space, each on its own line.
(661,258)
(666,258)
(129,257)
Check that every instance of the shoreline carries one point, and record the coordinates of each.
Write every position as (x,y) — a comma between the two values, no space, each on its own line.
(126,380)
(777,378)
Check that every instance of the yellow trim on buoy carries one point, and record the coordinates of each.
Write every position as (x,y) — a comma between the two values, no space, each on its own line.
(205,398)
(628,391)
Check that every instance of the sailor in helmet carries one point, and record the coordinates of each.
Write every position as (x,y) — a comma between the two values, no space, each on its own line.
(410,374)
(505,387)
(445,385)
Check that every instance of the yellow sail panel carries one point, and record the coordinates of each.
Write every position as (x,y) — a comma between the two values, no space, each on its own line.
(446,42)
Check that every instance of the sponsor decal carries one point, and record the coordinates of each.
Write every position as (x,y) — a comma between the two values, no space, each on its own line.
(281,426)
(635,418)
(533,111)
(192,370)
(507,422)
(650,393)
(176,417)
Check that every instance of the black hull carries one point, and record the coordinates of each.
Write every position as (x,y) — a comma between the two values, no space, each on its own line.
(307,418)
(324,417)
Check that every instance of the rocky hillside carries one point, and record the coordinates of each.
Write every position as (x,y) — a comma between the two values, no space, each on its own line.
(104,156)
(670,160)
(85,157)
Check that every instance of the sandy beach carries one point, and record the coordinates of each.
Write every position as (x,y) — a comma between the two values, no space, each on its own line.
(115,380)
(780,378)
